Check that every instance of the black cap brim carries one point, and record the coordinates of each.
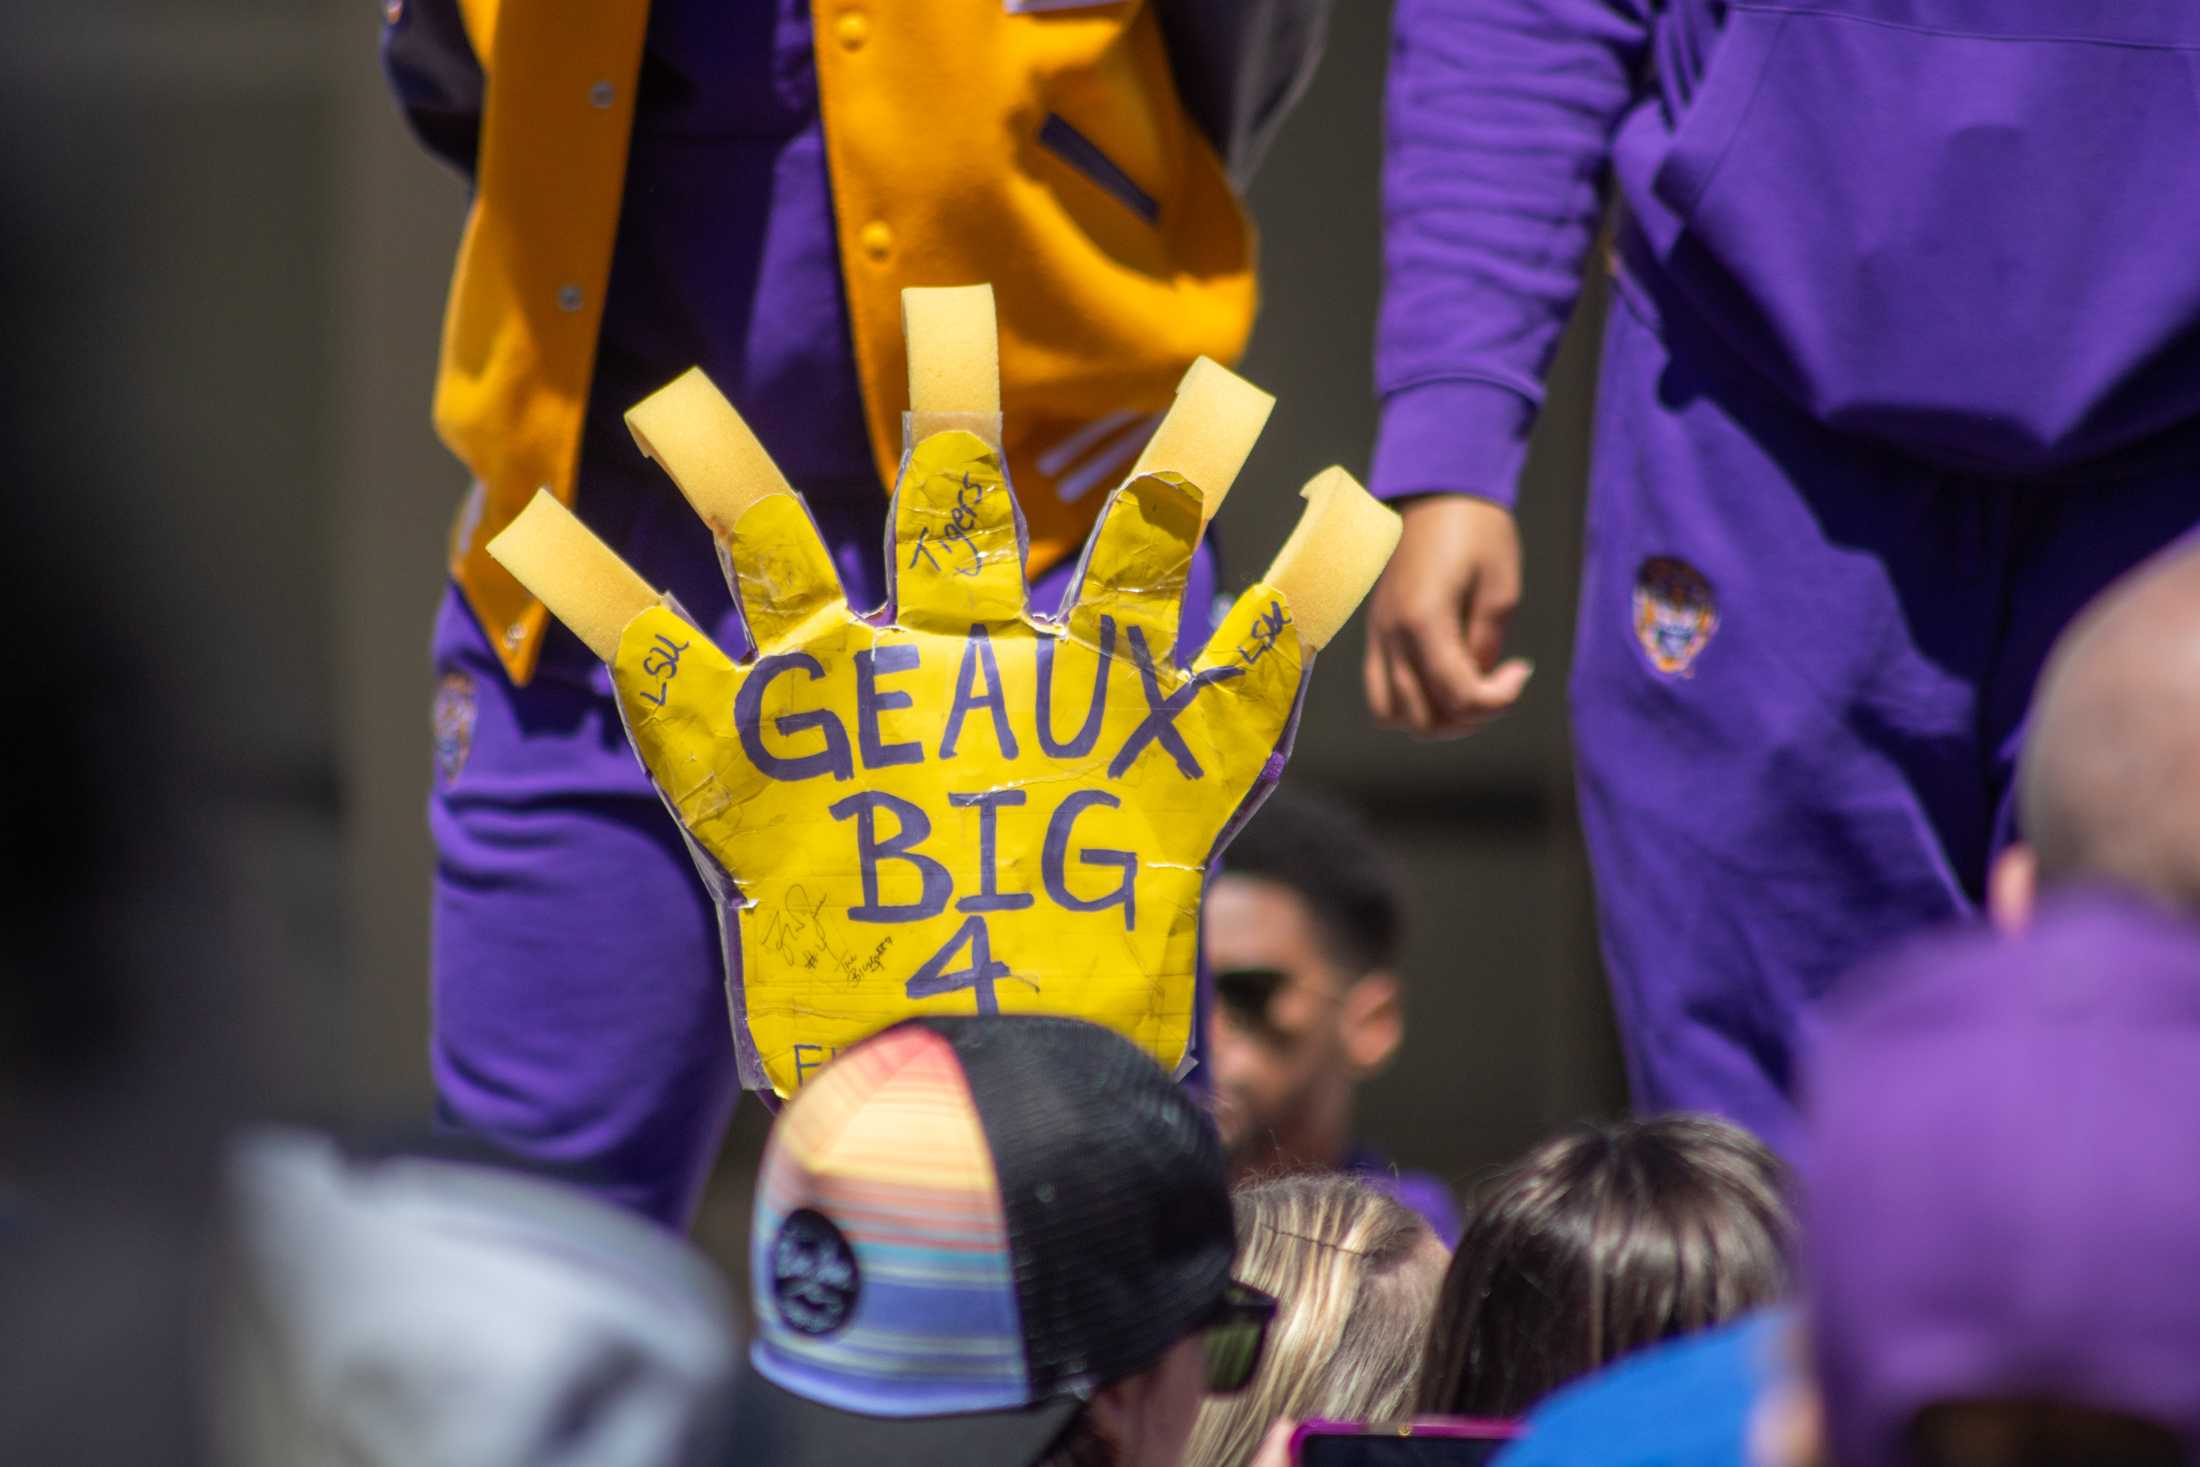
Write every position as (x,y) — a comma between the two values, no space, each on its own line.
(774,1427)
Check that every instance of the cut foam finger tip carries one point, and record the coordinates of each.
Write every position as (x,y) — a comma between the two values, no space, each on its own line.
(563,565)
(689,429)
(954,350)
(1209,432)
(1336,551)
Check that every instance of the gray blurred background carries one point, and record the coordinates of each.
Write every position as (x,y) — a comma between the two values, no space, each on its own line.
(226,260)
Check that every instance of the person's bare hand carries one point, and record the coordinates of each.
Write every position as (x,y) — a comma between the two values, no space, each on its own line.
(1436,623)
(1275,1448)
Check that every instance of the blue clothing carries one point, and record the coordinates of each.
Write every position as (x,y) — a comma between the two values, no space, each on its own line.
(1683,1404)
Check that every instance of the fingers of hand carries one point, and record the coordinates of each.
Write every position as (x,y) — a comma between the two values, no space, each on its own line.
(1275,1448)
(674,688)
(1467,682)
(1444,690)
(1137,562)
(781,572)
(958,538)
(1438,626)
(1375,682)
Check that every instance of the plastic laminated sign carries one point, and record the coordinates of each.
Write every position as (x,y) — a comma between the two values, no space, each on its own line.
(958,802)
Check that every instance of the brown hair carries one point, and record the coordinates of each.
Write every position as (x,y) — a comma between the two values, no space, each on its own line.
(1354,1273)
(1607,1239)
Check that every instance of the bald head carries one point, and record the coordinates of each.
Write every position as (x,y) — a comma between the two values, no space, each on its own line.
(2108,786)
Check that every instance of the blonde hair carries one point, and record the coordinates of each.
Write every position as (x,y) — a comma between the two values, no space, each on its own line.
(1355,1274)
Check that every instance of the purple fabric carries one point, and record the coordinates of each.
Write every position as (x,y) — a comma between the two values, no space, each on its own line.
(727,259)
(580,1004)
(1421,1191)
(2004,1176)
(1833,768)
(1960,227)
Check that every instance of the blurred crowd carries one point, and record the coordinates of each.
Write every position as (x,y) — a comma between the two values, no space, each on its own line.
(1015,1240)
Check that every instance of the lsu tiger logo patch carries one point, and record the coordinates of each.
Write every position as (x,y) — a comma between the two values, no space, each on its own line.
(1674,612)
(451,720)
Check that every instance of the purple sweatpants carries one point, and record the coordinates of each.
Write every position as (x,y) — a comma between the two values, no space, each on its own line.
(580,1009)
(1799,687)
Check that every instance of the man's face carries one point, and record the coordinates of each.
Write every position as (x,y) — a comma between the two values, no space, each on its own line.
(1277,1045)
(1180,1384)
(1146,1420)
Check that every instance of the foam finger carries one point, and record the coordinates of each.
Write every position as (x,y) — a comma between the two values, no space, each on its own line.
(1258,656)
(1209,432)
(563,565)
(781,572)
(954,349)
(1137,562)
(689,429)
(958,537)
(1335,553)
(675,688)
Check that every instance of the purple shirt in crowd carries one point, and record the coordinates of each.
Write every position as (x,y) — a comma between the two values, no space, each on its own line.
(1420,1191)
(1962,227)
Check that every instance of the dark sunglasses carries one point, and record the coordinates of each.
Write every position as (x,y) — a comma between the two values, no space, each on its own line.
(1234,1337)
(1245,994)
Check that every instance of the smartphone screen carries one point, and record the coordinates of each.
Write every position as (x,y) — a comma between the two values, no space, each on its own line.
(1392,1450)
(1424,1444)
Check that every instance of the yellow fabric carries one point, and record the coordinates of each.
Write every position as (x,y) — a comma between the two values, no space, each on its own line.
(519,336)
(1100,310)
(1099,307)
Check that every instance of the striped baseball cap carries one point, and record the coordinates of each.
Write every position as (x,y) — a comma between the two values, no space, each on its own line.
(964,1227)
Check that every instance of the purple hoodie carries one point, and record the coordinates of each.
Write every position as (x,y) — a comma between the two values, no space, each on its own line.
(1964,227)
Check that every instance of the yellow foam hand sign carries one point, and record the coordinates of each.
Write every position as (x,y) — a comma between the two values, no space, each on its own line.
(954,804)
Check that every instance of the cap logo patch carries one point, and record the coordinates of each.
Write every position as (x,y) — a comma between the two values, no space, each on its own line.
(1675,614)
(452,720)
(815,1282)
